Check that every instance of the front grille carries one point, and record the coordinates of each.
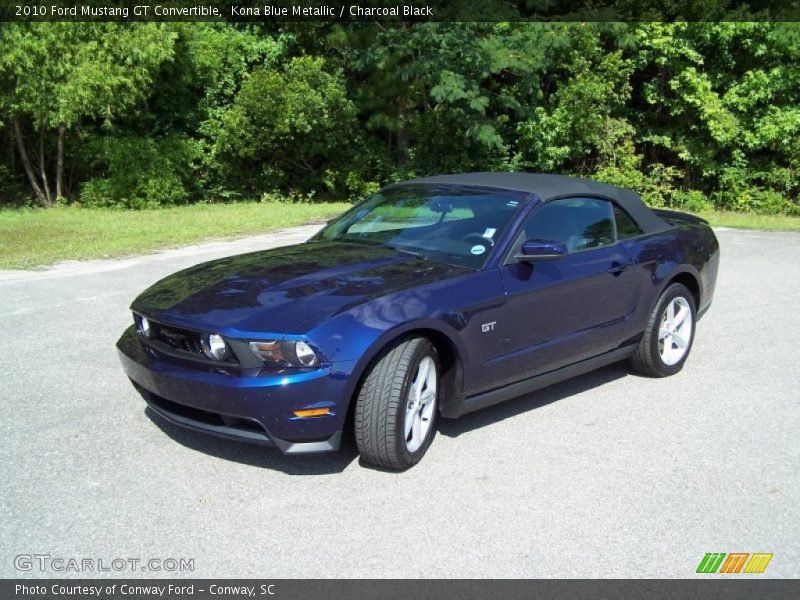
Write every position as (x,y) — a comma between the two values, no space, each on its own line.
(179,339)
(204,419)
(204,416)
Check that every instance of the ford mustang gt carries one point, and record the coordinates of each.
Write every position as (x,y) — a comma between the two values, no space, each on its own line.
(431,298)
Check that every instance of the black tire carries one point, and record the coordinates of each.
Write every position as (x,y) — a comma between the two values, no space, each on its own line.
(647,358)
(381,404)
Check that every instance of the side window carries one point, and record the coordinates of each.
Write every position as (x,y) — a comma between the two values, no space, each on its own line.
(626,227)
(578,223)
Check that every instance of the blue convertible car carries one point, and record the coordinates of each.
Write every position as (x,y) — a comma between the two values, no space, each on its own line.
(432,298)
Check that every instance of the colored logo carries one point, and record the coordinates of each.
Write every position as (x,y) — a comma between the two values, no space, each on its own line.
(736,562)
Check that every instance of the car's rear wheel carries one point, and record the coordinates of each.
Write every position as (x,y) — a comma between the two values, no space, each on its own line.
(396,408)
(669,334)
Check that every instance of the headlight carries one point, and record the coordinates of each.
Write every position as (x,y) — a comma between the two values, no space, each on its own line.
(143,325)
(214,347)
(286,354)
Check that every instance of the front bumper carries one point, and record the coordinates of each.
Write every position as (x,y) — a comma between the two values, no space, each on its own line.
(256,407)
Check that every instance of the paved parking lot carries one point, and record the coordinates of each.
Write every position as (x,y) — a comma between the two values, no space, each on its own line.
(608,475)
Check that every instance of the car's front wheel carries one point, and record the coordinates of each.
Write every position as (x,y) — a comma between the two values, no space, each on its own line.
(669,334)
(396,408)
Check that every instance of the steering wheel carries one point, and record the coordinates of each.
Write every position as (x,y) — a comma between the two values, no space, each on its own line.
(477,238)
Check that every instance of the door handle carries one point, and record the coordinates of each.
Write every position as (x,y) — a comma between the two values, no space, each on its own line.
(616,268)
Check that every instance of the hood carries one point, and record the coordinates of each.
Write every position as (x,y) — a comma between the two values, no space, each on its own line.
(280,290)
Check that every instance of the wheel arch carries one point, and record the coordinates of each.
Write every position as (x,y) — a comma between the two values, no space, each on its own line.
(451,357)
(690,280)
(648,359)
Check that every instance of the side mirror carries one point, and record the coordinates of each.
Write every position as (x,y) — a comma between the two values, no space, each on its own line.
(535,250)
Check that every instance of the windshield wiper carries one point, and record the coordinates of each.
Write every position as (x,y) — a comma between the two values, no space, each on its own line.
(354,240)
(418,255)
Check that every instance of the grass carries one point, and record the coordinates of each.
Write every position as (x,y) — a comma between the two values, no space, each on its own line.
(37,237)
(34,237)
(718,218)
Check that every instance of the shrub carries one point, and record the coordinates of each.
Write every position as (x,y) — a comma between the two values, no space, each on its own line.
(11,189)
(692,200)
(290,129)
(142,173)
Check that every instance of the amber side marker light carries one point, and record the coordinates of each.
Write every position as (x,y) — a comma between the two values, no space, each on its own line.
(312,412)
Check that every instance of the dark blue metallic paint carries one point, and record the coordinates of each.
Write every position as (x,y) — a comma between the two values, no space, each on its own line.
(541,250)
(503,324)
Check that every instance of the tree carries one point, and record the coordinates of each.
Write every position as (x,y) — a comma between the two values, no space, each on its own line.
(54,76)
(290,126)
(689,114)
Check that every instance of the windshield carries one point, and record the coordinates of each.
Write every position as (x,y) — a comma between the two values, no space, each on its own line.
(452,225)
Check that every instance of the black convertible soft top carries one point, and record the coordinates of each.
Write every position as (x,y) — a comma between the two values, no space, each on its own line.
(549,187)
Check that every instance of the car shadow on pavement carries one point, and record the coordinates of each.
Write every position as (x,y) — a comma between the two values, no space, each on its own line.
(259,456)
(336,462)
(532,401)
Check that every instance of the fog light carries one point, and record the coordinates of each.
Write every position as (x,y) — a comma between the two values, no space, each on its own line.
(214,346)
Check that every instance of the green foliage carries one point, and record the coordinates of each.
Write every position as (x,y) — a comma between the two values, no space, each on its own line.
(579,127)
(285,124)
(57,76)
(725,97)
(692,115)
(142,173)
(12,192)
(61,73)
(194,91)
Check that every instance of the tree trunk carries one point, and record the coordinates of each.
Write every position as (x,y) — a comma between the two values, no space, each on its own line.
(26,163)
(402,135)
(12,152)
(60,163)
(70,179)
(43,167)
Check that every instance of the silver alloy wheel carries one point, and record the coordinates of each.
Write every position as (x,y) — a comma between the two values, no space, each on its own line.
(420,404)
(675,332)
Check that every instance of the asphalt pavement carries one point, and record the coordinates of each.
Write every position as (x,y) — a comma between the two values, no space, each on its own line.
(607,475)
